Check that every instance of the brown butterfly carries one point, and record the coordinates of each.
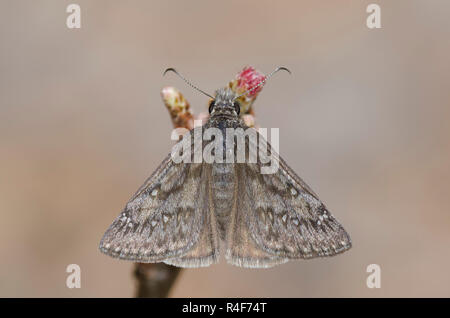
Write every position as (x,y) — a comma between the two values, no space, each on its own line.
(183,212)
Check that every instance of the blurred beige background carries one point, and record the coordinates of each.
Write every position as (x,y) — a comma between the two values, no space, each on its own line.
(364,120)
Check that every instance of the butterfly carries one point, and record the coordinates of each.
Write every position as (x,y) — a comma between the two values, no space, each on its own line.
(187,212)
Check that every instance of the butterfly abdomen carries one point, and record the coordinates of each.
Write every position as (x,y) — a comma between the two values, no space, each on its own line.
(222,187)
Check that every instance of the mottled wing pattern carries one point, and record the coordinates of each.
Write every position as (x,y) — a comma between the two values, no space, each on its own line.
(167,219)
(241,247)
(206,251)
(278,217)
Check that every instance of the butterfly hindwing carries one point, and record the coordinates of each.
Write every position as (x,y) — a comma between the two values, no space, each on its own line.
(241,248)
(206,250)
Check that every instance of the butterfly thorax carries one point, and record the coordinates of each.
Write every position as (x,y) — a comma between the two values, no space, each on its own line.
(223,104)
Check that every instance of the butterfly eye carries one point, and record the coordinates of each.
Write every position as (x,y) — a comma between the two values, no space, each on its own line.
(211,106)
(237,107)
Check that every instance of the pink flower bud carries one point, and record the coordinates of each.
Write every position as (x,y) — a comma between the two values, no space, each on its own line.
(248,78)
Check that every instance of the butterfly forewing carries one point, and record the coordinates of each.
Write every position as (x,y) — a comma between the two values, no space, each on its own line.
(164,219)
(282,217)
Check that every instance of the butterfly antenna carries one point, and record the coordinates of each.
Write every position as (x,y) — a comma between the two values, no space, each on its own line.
(281,68)
(170,69)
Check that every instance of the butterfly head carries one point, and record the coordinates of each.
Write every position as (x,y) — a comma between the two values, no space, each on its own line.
(224,103)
